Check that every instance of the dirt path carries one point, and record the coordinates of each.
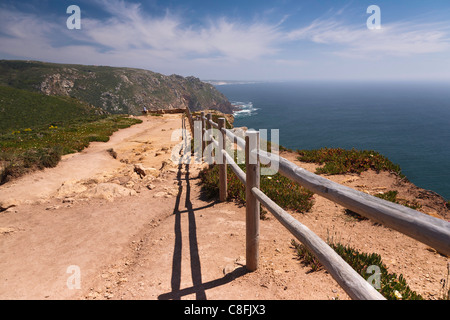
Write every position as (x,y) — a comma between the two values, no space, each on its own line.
(137,227)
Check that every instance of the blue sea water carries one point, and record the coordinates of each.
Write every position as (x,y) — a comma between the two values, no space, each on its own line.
(407,122)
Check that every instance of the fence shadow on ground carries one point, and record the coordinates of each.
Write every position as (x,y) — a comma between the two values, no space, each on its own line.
(198,288)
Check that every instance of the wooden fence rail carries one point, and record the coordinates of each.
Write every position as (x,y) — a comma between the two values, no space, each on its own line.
(429,230)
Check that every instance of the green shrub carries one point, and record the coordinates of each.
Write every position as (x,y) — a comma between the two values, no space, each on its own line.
(307,257)
(340,161)
(392,287)
(392,197)
(286,193)
(42,158)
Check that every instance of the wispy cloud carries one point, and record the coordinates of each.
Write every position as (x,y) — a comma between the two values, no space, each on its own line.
(395,39)
(130,28)
(129,36)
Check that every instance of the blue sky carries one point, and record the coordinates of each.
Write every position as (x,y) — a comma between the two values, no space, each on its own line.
(238,40)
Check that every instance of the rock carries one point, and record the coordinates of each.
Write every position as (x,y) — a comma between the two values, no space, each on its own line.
(108,191)
(240,261)
(7,230)
(229,268)
(171,191)
(70,188)
(7,204)
(52,208)
(122,280)
(142,171)
(68,200)
(159,194)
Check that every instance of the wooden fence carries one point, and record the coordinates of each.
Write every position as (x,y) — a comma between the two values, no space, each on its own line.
(426,229)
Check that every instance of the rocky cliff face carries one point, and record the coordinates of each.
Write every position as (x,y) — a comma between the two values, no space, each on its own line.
(116,90)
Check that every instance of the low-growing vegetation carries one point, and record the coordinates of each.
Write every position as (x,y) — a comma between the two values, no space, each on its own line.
(392,287)
(215,118)
(340,161)
(286,193)
(36,129)
(21,110)
(41,147)
(391,196)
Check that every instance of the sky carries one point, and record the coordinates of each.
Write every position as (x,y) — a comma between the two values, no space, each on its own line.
(247,40)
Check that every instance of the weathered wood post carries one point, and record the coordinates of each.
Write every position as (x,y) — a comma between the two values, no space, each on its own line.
(210,135)
(202,118)
(191,121)
(198,141)
(252,165)
(223,162)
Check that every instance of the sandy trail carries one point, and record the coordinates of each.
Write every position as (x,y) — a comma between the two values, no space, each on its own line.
(88,163)
(156,237)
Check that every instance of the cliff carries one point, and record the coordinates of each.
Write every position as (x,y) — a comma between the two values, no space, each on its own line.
(116,90)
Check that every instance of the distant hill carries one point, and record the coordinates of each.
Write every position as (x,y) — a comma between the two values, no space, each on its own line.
(21,109)
(116,90)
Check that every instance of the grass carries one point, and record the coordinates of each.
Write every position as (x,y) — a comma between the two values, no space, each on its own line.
(41,147)
(392,287)
(341,161)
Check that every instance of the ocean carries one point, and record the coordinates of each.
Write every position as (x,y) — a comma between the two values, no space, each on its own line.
(407,122)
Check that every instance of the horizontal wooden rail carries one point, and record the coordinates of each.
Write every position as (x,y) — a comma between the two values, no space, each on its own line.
(236,169)
(422,227)
(419,226)
(213,124)
(239,141)
(429,230)
(355,285)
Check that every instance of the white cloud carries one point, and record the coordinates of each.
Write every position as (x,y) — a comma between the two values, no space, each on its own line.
(395,39)
(169,44)
(131,28)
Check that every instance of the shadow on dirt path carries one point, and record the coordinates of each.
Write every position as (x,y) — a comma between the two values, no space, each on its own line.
(199,288)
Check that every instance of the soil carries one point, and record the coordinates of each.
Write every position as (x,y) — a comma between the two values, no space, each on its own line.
(128,223)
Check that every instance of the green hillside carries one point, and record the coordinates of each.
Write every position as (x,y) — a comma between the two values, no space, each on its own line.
(36,130)
(116,90)
(21,109)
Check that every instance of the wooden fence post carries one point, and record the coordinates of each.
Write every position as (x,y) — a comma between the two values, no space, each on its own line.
(202,116)
(191,121)
(198,141)
(252,165)
(209,129)
(223,163)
